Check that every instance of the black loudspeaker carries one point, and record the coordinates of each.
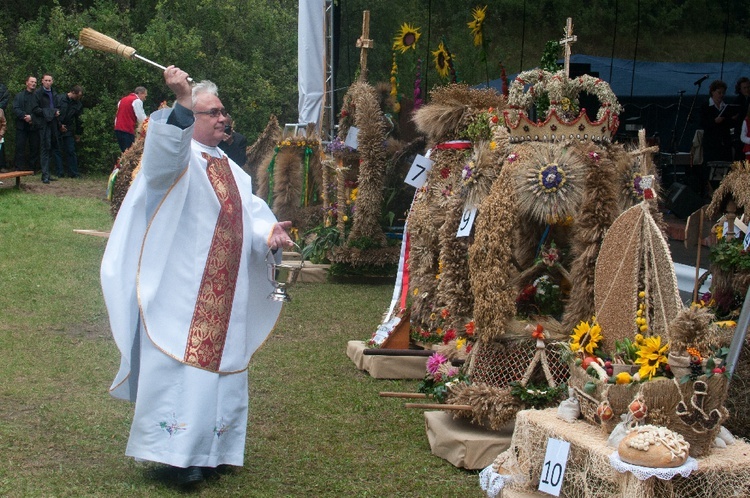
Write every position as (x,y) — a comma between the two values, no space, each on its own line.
(682,200)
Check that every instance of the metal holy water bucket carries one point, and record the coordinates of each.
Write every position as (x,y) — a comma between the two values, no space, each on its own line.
(282,275)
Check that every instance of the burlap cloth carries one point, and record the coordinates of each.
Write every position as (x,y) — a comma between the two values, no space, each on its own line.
(589,474)
(464,444)
(384,366)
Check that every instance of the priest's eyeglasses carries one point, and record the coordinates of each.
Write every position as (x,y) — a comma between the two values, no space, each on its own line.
(214,113)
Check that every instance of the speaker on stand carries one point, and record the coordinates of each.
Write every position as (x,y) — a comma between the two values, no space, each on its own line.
(682,200)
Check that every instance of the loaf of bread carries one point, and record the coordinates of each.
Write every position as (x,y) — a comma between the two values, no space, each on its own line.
(653,446)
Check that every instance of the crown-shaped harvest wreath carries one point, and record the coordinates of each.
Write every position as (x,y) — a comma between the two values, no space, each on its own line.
(560,123)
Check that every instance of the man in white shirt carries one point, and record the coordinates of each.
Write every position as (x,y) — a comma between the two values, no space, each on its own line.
(130,116)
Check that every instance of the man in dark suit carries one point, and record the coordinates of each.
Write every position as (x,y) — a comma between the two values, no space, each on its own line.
(234,144)
(46,114)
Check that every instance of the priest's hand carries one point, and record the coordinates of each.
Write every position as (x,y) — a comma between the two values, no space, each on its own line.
(177,80)
(278,237)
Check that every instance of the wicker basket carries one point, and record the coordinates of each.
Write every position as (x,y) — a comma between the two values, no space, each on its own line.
(661,397)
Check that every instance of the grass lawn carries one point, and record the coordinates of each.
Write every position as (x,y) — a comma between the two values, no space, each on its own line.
(317,425)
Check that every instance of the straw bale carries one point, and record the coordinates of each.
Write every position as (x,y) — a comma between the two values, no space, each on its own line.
(454,286)
(738,402)
(287,183)
(589,474)
(598,210)
(690,328)
(734,186)
(260,153)
(130,162)
(491,270)
(451,109)
(492,407)
(369,119)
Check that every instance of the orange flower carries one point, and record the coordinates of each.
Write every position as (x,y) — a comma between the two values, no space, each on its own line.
(444,313)
(470,328)
(538,332)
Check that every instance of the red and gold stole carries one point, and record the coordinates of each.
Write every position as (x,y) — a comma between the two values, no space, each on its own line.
(208,329)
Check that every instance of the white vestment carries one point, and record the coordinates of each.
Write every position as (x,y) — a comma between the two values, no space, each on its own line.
(152,272)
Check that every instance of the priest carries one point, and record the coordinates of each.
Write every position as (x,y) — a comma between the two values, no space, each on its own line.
(184,281)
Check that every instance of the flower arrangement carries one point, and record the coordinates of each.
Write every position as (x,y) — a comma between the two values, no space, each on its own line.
(542,297)
(538,396)
(647,353)
(563,92)
(441,377)
(299,142)
(482,125)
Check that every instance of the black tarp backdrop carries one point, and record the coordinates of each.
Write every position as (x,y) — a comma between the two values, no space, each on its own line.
(652,96)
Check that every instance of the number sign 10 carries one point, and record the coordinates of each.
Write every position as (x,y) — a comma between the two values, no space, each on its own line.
(553,469)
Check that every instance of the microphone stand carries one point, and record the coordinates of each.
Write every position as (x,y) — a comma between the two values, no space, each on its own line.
(673,143)
(692,105)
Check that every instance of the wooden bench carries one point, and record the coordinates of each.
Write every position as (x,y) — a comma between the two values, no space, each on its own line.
(17,175)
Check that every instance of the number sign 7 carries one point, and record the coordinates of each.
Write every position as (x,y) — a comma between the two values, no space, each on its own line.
(417,174)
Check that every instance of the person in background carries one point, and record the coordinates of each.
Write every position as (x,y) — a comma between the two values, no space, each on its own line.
(716,124)
(234,144)
(70,107)
(27,132)
(742,101)
(3,127)
(184,278)
(130,115)
(745,137)
(4,99)
(46,113)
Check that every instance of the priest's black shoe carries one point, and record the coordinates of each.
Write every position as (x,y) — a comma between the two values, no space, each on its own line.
(189,476)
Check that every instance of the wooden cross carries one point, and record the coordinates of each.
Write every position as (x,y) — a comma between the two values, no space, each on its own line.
(644,152)
(364,43)
(567,41)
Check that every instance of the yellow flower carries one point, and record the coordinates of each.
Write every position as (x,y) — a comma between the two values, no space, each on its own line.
(353,194)
(441,60)
(493,145)
(415,291)
(406,38)
(460,342)
(651,355)
(586,337)
(726,323)
(623,378)
(478,13)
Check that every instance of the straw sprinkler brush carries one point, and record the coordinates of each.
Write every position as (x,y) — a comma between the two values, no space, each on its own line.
(94,40)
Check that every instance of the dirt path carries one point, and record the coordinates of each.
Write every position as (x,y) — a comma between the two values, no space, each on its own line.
(93,186)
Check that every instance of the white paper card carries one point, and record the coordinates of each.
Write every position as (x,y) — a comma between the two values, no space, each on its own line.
(417,174)
(739,224)
(384,330)
(467,221)
(351,138)
(726,229)
(553,469)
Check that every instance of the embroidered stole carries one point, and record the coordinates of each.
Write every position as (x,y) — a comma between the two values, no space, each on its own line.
(213,307)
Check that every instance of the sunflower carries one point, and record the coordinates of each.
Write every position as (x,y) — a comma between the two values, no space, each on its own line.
(478,14)
(442,59)
(651,356)
(406,38)
(586,337)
